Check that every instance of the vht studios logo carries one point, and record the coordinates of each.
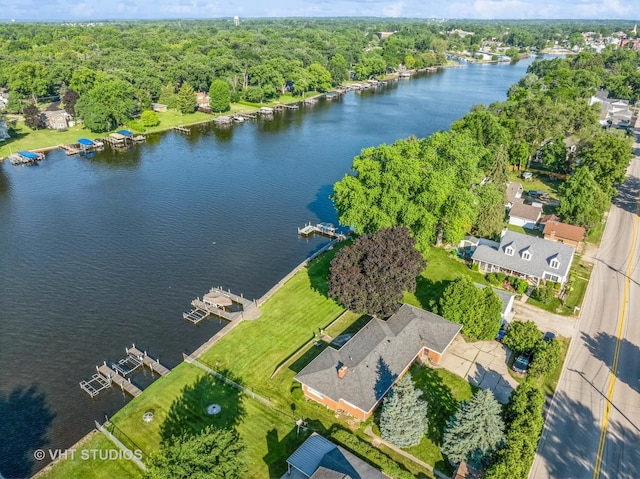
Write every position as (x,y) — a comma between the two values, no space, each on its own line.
(86,454)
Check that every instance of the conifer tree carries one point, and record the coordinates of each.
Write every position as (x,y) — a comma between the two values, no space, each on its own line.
(475,431)
(403,420)
(186,99)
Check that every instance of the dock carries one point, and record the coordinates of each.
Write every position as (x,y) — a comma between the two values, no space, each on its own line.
(118,373)
(324,229)
(153,364)
(220,303)
(70,149)
(182,129)
(124,383)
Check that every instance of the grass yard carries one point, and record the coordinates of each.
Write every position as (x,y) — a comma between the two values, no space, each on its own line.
(594,235)
(525,231)
(444,391)
(538,183)
(289,320)
(550,380)
(83,465)
(442,268)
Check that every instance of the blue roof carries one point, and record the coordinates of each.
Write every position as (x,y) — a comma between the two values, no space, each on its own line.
(85,142)
(28,155)
(125,132)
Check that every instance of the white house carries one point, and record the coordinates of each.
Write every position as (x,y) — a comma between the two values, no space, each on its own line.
(524,215)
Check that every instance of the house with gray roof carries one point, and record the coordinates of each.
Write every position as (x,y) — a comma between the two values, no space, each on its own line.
(355,378)
(525,215)
(529,257)
(319,458)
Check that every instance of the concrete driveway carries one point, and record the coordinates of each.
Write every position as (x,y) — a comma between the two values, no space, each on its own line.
(561,325)
(483,364)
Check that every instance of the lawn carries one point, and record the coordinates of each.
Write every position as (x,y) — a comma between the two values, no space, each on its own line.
(525,231)
(442,268)
(444,391)
(83,465)
(289,320)
(538,182)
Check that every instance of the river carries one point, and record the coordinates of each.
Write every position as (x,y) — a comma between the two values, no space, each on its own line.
(100,253)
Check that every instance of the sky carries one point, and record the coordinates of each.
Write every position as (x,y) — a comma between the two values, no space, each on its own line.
(85,10)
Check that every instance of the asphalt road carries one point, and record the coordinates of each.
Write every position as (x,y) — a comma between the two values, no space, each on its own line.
(592,429)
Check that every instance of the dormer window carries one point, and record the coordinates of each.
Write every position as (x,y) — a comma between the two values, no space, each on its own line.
(526,255)
(555,264)
(509,250)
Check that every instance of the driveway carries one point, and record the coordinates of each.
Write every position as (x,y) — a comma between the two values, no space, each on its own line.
(483,364)
(560,325)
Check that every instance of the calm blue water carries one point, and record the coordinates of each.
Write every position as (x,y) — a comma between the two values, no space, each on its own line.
(98,253)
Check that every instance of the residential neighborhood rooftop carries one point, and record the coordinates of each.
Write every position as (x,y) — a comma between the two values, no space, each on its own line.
(564,231)
(528,212)
(377,355)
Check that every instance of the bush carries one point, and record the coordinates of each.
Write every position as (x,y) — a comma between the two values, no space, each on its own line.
(370,454)
(522,336)
(544,294)
(546,357)
(475,267)
(496,278)
(519,284)
(149,118)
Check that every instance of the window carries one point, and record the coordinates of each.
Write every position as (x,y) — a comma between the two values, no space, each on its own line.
(526,255)
(509,250)
(555,264)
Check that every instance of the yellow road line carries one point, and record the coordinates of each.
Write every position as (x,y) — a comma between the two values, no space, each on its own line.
(616,354)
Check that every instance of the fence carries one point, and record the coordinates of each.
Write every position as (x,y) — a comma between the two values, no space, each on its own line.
(129,454)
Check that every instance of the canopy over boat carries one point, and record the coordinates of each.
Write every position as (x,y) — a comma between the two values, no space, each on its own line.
(126,133)
(85,142)
(28,155)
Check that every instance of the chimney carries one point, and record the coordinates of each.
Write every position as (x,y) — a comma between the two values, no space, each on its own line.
(342,371)
(504,230)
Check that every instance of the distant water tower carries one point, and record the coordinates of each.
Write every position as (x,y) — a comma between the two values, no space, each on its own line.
(236,20)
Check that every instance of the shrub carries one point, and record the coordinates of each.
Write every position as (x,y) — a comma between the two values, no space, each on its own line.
(546,357)
(519,284)
(496,278)
(544,294)
(522,336)
(475,267)
(149,118)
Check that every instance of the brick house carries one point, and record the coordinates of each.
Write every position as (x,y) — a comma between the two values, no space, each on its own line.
(356,377)
(564,233)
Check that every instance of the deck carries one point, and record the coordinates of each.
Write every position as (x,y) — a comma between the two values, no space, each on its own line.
(182,129)
(153,364)
(123,383)
(229,307)
(324,229)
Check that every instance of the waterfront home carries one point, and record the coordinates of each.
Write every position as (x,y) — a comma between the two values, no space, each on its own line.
(319,458)
(355,378)
(56,118)
(525,256)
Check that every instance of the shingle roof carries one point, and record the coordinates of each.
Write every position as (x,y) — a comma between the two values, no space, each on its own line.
(514,191)
(377,355)
(564,231)
(319,458)
(541,250)
(527,212)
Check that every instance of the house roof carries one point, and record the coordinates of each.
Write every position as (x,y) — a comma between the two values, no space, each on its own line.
(564,231)
(505,298)
(527,212)
(319,458)
(376,355)
(514,191)
(541,250)
(546,218)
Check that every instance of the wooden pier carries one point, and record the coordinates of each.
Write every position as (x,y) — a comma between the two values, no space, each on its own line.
(153,364)
(182,129)
(118,373)
(218,302)
(124,383)
(70,149)
(324,229)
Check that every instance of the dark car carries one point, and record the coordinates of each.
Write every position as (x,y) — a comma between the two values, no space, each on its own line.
(501,334)
(522,363)
(549,336)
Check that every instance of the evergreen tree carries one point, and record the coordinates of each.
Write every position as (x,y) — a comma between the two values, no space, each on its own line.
(186,100)
(168,96)
(475,431)
(403,420)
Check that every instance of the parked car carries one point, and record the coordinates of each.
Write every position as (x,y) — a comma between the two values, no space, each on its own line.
(549,336)
(521,365)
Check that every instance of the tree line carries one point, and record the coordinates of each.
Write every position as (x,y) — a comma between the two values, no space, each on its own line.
(453,182)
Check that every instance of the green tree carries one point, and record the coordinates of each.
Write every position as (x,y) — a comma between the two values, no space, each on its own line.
(490,219)
(212,453)
(29,79)
(338,68)
(372,274)
(582,201)
(607,155)
(546,357)
(254,94)
(168,96)
(96,116)
(109,104)
(478,310)
(319,77)
(186,99)
(403,420)
(149,118)
(522,336)
(219,95)
(475,432)
(83,79)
